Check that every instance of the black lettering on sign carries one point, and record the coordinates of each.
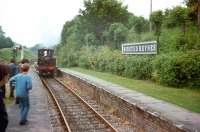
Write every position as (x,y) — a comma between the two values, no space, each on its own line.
(140,48)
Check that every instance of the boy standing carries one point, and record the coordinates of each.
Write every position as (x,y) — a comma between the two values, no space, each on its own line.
(23,85)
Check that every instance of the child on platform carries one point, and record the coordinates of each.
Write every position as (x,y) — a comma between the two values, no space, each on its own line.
(23,85)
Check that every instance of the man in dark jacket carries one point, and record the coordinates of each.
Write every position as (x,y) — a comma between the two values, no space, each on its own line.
(14,69)
(4,74)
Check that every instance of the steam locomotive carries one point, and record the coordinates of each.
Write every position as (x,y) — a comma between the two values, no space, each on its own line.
(46,64)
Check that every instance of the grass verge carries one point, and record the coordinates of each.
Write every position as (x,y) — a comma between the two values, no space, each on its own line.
(183,97)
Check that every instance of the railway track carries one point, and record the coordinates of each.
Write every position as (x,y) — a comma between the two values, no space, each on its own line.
(55,116)
(76,113)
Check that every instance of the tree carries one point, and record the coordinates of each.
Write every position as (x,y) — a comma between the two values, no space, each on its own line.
(90,39)
(5,42)
(9,42)
(120,36)
(157,18)
(141,25)
(99,14)
(131,20)
(117,33)
(1,32)
(194,10)
(178,16)
(74,32)
(65,32)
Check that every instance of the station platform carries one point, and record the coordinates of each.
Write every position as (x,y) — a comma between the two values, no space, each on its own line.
(38,117)
(180,117)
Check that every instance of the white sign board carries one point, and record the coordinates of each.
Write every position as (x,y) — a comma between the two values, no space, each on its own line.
(140,48)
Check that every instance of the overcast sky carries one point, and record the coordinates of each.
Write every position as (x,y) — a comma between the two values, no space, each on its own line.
(29,22)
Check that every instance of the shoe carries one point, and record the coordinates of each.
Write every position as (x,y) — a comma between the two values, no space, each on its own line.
(22,123)
(17,101)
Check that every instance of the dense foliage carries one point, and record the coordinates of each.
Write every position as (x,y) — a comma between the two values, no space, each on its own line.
(93,40)
(6,54)
(194,11)
(5,42)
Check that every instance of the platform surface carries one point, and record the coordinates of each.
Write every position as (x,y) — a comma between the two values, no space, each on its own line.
(38,118)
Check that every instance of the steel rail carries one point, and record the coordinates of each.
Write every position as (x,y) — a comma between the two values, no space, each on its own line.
(57,104)
(92,109)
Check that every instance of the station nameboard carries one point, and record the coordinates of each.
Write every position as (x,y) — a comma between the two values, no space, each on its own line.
(149,47)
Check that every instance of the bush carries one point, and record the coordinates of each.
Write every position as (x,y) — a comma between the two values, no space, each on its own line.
(188,69)
(163,69)
(68,57)
(104,58)
(83,60)
(174,69)
(134,37)
(178,69)
(169,39)
(72,58)
(139,67)
(117,66)
(174,40)
(193,39)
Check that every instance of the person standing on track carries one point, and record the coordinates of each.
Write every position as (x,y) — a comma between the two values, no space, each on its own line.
(23,85)
(4,75)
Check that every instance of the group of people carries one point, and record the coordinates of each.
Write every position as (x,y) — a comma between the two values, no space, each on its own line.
(21,82)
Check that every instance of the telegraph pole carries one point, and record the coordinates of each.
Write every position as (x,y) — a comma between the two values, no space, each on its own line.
(150,24)
(22,52)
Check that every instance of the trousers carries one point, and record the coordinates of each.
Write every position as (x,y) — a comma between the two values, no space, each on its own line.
(24,107)
(3,114)
(12,88)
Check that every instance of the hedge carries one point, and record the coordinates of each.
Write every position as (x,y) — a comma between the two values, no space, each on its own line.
(174,69)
